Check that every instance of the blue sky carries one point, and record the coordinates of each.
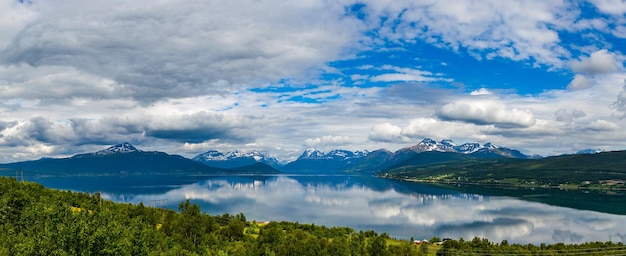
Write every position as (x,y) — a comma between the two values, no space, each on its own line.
(184,77)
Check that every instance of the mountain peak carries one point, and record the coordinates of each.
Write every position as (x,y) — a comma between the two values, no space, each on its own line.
(312,153)
(448,143)
(429,144)
(235,159)
(428,141)
(490,145)
(124,147)
(589,151)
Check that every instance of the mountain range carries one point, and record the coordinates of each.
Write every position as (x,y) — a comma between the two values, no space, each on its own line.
(379,160)
(124,158)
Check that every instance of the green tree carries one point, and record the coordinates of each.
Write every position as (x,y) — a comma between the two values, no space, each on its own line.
(234,230)
(378,247)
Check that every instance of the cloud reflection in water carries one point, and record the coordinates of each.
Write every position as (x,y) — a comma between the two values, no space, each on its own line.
(391,208)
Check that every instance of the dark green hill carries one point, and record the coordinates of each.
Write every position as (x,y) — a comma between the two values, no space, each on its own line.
(130,163)
(436,157)
(257,168)
(595,168)
(375,161)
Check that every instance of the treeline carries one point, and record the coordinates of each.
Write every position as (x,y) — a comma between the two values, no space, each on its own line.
(38,221)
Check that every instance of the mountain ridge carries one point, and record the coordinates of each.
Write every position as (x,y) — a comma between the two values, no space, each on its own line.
(235,159)
(555,170)
(311,160)
(121,159)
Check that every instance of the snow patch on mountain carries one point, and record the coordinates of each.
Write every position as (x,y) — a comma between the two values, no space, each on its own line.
(468,148)
(119,148)
(337,154)
(589,151)
(312,153)
(235,158)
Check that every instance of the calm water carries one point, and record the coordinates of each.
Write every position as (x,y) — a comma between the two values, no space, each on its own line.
(401,209)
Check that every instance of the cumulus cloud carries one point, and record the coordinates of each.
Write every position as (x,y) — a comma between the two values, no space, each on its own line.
(193,128)
(13,17)
(24,81)
(580,82)
(599,62)
(509,29)
(239,74)
(387,132)
(328,140)
(198,48)
(602,126)
(620,103)
(5,125)
(542,130)
(486,112)
(481,91)
(198,127)
(567,115)
(615,7)
(432,128)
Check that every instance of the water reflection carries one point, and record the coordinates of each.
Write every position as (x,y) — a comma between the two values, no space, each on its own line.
(401,209)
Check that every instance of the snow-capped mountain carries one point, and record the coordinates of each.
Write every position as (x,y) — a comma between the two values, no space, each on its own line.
(318,161)
(119,148)
(235,159)
(589,151)
(431,145)
(468,148)
(487,150)
(122,159)
(337,154)
(312,153)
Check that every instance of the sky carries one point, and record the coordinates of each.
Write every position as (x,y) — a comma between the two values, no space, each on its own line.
(280,76)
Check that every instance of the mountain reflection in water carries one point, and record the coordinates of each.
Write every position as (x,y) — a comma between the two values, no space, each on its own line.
(367,203)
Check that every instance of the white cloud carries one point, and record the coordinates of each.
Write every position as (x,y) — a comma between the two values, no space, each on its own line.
(580,82)
(328,140)
(517,30)
(432,128)
(486,112)
(481,91)
(13,17)
(405,75)
(568,116)
(179,49)
(387,132)
(23,81)
(602,126)
(599,62)
(175,75)
(620,103)
(615,7)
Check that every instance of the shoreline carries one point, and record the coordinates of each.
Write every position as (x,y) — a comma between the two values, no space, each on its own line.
(594,187)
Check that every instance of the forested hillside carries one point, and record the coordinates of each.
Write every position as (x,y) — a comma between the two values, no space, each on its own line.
(591,169)
(38,221)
